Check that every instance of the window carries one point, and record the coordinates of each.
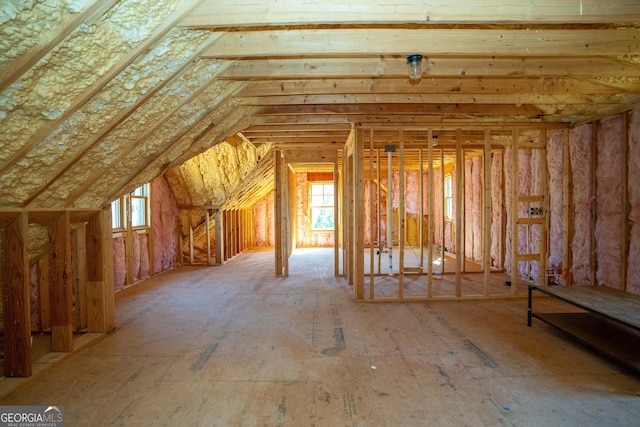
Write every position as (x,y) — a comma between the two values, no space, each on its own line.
(140,207)
(118,217)
(321,206)
(131,209)
(448,197)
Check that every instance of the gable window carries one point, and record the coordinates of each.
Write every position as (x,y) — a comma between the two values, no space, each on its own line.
(118,214)
(131,209)
(140,207)
(321,206)
(448,196)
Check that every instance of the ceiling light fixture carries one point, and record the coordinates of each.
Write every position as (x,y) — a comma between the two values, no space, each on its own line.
(415,66)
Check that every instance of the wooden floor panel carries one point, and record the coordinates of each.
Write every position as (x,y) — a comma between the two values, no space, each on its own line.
(233,345)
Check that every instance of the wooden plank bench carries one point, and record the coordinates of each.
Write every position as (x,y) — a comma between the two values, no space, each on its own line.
(609,322)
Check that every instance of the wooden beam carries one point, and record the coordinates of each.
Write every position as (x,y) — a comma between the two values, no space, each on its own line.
(437,67)
(219,237)
(100,298)
(15,301)
(279,212)
(434,98)
(451,42)
(459,215)
(358,219)
(61,284)
(593,259)
(431,84)
(246,13)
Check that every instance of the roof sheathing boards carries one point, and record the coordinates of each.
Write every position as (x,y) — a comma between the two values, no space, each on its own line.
(81,132)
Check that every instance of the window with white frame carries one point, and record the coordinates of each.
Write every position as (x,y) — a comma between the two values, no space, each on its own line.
(140,207)
(448,197)
(321,206)
(131,209)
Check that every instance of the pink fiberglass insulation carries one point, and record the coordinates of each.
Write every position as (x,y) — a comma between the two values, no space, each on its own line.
(260,223)
(437,207)
(633,268)
(412,193)
(395,190)
(165,223)
(496,206)
(609,202)
(508,200)
(581,175)
(144,257)
(119,263)
(476,207)
(468,189)
(556,173)
(301,208)
(136,256)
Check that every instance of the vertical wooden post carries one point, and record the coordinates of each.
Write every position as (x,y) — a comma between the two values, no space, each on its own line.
(358,218)
(15,301)
(543,191)
(219,238)
(459,212)
(401,216)
(567,217)
(190,245)
(278,213)
(336,221)
(100,298)
(486,217)
(373,217)
(206,213)
(515,193)
(430,224)
(61,288)
(80,256)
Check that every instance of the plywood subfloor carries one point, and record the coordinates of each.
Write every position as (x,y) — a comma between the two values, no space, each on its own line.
(235,346)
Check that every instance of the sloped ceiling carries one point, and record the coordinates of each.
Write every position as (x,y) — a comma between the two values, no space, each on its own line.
(98,97)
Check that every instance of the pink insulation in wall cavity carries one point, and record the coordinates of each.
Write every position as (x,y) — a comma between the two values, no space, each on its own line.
(301,209)
(165,223)
(473,208)
(633,269)
(581,177)
(555,168)
(119,263)
(496,207)
(412,193)
(609,201)
(508,200)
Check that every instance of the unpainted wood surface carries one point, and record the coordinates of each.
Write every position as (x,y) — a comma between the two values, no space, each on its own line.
(619,305)
(233,345)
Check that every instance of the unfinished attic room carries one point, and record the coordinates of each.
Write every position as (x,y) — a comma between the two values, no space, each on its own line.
(320,213)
